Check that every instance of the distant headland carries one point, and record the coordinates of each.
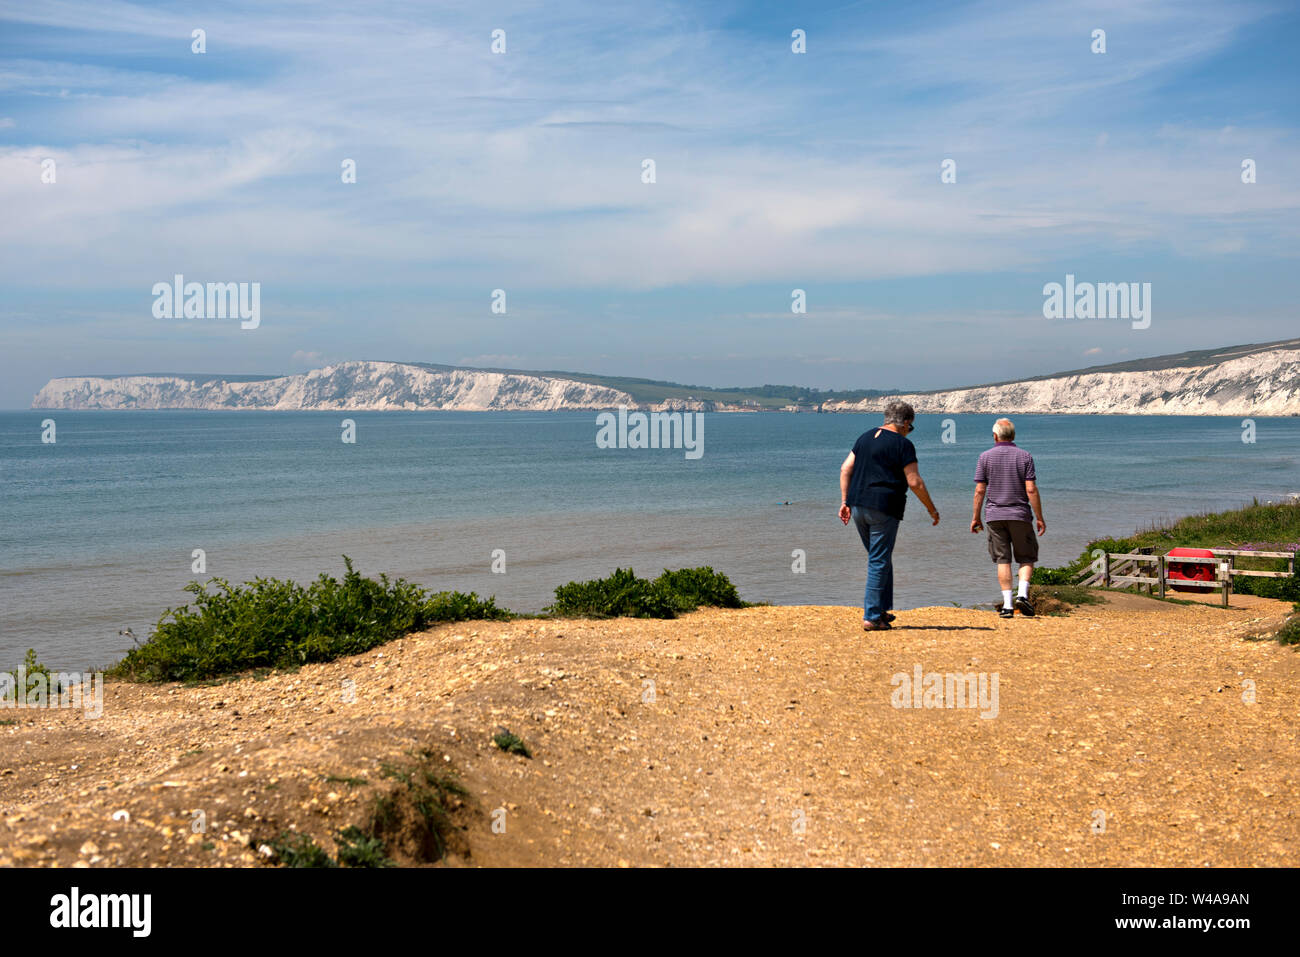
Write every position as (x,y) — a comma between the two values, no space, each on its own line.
(1259,379)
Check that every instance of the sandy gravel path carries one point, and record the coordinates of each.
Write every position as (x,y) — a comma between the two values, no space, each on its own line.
(1123,735)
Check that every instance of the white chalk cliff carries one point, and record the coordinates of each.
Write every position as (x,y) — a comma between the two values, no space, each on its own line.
(1239,380)
(1262,381)
(350,386)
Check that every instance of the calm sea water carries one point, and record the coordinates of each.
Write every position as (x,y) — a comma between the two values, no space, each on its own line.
(98,529)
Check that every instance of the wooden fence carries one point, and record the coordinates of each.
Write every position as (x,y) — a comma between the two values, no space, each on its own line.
(1117,569)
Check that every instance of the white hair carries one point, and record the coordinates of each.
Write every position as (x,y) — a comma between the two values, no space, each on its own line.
(1004,429)
(898,412)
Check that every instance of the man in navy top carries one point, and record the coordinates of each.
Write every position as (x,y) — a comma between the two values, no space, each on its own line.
(874,480)
(1007,487)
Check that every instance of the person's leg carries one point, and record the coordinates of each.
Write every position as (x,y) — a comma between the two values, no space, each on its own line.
(887,589)
(1026,553)
(880,552)
(870,594)
(886,528)
(1000,552)
(1004,582)
(1026,573)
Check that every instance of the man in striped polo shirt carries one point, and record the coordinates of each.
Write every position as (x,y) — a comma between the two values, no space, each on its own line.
(1006,487)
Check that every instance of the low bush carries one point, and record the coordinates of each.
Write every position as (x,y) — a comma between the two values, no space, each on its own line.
(269,623)
(1060,599)
(1290,631)
(624,595)
(299,850)
(511,743)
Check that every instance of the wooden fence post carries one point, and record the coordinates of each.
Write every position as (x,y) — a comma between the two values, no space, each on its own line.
(1105,569)
(1226,580)
(1160,573)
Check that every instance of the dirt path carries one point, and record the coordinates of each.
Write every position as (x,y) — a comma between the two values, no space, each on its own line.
(771,739)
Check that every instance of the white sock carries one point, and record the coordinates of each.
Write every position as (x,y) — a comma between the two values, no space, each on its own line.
(1024,589)
(1006,598)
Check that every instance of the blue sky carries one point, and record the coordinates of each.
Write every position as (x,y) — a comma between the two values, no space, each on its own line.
(522,171)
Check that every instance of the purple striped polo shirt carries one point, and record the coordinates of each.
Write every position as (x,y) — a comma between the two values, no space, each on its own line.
(1006,467)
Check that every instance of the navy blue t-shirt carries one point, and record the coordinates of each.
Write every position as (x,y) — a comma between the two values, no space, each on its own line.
(879,457)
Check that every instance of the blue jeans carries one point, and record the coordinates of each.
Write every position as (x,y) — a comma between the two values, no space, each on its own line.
(878,532)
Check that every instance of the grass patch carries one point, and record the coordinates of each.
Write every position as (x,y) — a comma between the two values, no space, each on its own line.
(273,624)
(412,822)
(624,595)
(416,818)
(1289,634)
(1061,599)
(358,849)
(299,850)
(350,782)
(511,743)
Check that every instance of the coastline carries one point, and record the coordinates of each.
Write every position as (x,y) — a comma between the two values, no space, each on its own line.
(1251,380)
(920,410)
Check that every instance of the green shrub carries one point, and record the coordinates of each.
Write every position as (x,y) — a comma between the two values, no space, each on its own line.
(299,850)
(511,743)
(1052,576)
(1060,599)
(31,665)
(621,595)
(624,595)
(1284,589)
(457,606)
(32,668)
(418,815)
(1289,634)
(268,623)
(358,849)
(692,587)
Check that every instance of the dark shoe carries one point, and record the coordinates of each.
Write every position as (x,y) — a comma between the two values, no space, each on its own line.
(1024,607)
(869,625)
(1006,613)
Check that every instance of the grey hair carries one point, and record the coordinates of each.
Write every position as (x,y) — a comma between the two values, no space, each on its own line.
(1004,429)
(898,413)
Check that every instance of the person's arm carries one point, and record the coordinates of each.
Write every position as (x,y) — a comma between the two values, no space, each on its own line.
(846,475)
(981,489)
(917,485)
(1036,501)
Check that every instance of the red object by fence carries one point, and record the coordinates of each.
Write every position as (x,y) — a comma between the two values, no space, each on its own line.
(1189,571)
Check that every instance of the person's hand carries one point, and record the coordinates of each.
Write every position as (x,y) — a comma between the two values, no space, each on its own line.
(975,525)
(845,514)
(1042,526)
(934,516)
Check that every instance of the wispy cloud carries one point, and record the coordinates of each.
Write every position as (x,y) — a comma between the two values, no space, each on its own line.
(523,170)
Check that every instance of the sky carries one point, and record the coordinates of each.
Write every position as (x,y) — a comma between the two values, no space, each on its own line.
(523,171)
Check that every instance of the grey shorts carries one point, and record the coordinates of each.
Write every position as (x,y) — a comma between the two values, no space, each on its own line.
(1012,538)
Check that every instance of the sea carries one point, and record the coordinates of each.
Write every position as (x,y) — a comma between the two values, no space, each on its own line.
(101,529)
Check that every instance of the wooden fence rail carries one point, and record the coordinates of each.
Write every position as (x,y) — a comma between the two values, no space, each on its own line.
(1111,569)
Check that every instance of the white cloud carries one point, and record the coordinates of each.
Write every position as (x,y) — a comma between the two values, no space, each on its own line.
(524,169)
